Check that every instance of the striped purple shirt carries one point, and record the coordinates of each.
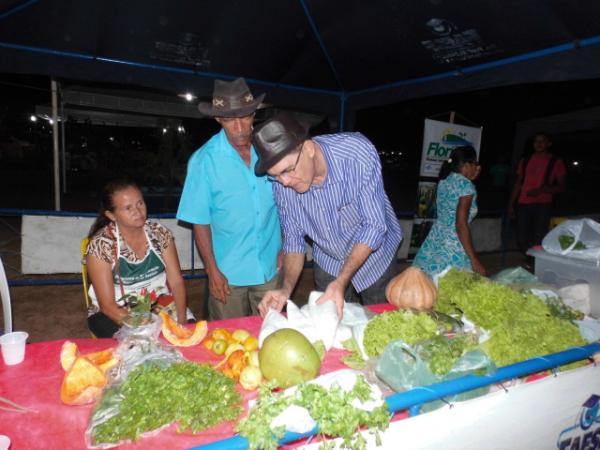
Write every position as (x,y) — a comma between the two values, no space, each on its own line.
(350,207)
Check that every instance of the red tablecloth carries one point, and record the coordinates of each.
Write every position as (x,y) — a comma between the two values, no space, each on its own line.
(35,383)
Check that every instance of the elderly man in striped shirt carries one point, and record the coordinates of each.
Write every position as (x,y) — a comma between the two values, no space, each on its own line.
(328,188)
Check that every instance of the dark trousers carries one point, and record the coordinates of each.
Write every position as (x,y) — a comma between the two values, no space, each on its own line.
(533,221)
(372,295)
(102,326)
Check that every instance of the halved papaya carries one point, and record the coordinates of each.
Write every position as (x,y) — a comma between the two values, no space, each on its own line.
(182,336)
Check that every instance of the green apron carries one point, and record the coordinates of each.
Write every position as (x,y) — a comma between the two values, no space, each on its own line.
(130,277)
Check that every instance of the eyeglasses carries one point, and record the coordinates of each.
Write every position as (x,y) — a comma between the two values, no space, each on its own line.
(287,171)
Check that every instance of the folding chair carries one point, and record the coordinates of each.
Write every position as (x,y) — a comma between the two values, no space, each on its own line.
(84,275)
(5,294)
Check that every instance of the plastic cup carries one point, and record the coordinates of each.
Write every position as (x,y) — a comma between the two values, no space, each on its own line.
(13,347)
(4,442)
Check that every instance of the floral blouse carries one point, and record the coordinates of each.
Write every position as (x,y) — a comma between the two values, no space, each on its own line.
(103,244)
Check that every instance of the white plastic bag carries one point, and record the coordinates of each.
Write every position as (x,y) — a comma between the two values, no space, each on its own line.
(272,322)
(577,296)
(323,317)
(584,231)
(315,322)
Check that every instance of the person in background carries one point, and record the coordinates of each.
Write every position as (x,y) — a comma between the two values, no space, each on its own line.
(128,253)
(540,177)
(235,221)
(329,188)
(449,242)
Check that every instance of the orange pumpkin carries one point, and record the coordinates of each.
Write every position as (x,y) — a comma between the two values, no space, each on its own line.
(412,289)
(182,336)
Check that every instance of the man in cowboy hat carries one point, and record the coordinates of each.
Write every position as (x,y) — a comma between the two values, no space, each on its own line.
(235,221)
(330,189)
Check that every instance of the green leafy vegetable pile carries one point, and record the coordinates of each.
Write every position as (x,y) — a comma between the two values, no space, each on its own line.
(193,395)
(331,408)
(520,324)
(566,240)
(440,353)
(397,325)
(354,360)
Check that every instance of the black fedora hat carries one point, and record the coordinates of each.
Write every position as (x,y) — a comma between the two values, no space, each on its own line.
(275,138)
(231,99)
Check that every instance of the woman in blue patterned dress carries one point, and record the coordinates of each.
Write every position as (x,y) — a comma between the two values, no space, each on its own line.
(449,241)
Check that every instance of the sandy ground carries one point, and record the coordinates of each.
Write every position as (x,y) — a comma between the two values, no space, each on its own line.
(58,312)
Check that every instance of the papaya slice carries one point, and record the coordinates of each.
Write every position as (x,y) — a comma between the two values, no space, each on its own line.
(182,336)
(82,383)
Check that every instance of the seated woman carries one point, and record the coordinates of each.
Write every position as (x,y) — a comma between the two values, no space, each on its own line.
(126,254)
(449,241)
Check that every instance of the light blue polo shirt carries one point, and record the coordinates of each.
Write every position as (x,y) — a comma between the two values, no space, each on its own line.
(221,191)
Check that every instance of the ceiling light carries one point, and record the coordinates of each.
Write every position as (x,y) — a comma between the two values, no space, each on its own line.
(188,96)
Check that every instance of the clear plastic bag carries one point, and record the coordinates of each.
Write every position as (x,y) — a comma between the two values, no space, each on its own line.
(404,367)
(514,275)
(137,327)
(136,347)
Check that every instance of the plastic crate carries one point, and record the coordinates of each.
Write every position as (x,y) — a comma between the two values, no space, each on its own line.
(564,271)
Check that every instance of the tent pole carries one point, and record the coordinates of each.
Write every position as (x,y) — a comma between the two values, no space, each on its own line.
(53,86)
(63,152)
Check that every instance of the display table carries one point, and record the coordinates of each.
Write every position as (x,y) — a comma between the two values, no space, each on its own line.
(540,414)
(35,384)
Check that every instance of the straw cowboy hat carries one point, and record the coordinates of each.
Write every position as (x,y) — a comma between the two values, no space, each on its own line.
(231,99)
(275,138)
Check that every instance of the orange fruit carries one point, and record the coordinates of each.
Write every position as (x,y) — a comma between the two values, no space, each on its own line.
(250,344)
(219,347)
(222,334)
(240,335)
(236,357)
(208,343)
(237,362)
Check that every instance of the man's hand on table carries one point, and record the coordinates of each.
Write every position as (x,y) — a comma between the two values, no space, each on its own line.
(275,299)
(335,293)
(218,285)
